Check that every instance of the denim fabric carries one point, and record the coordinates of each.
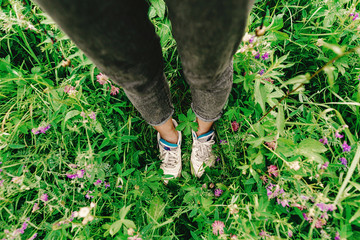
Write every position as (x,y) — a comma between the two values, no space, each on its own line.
(121,41)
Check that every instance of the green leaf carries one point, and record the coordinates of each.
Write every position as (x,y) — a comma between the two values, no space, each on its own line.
(115,227)
(277,23)
(280,120)
(156,209)
(260,94)
(16,146)
(69,115)
(159,6)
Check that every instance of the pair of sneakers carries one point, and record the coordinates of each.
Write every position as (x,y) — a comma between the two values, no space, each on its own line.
(201,155)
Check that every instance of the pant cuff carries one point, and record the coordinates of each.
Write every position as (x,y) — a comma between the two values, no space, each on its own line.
(205,119)
(162,122)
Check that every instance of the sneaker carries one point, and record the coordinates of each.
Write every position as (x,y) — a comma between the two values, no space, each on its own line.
(201,155)
(170,154)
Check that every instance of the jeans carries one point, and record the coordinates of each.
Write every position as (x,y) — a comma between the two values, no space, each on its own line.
(121,41)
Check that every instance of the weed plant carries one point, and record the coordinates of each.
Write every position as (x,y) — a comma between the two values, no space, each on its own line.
(78,162)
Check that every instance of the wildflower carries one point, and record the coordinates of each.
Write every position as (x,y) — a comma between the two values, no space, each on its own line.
(83,212)
(337,236)
(265,56)
(246,37)
(218,227)
(354,15)
(290,233)
(114,90)
(223,141)
(325,165)
(257,56)
(17,180)
(218,192)
(88,196)
(92,115)
(261,72)
(320,222)
(33,236)
(264,179)
(323,140)
(271,145)
(97,182)
(269,80)
(218,159)
(307,218)
(233,208)
(120,186)
(211,185)
(243,49)
(346,147)
(102,78)
(68,89)
(106,184)
(319,42)
(35,131)
(130,231)
(235,126)
(136,237)
(272,169)
(264,234)
(294,165)
(233,237)
(338,135)
(1,183)
(343,161)
(82,114)
(284,202)
(23,228)
(35,207)
(251,40)
(80,173)
(44,197)
(71,176)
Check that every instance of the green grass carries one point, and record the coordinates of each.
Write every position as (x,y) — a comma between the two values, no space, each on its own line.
(121,149)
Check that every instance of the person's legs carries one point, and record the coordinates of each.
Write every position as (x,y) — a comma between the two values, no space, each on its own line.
(120,39)
(208,33)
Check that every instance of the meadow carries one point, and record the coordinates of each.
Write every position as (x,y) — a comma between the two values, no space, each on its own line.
(78,162)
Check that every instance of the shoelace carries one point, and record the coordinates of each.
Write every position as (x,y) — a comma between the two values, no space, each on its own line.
(203,149)
(170,158)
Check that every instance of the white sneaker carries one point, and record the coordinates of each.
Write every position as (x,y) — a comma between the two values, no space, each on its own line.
(170,154)
(201,155)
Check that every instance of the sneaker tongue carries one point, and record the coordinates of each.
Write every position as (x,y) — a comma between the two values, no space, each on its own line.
(206,137)
(168,146)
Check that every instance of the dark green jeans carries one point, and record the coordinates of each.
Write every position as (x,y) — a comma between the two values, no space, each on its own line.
(119,38)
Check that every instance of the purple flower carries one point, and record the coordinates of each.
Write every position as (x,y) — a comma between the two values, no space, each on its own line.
(218,192)
(33,236)
(44,197)
(251,40)
(290,233)
(346,147)
(88,196)
(35,131)
(325,165)
(97,182)
(71,176)
(265,56)
(223,141)
(92,115)
(257,56)
(355,16)
(80,173)
(343,161)
(218,159)
(337,236)
(338,135)
(106,184)
(1,183)
(273,170)
(263,234)
(261,72)
(218,227)
(323,140)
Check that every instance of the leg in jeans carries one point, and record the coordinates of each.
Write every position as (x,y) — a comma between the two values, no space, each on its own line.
(119,38)
(208,33)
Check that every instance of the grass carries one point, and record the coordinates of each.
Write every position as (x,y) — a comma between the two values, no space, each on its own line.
(278,179)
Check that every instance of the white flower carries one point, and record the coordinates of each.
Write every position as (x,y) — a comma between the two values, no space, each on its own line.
(92,205)
(319,42)
(246,37)
(294,165)
(84,212)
